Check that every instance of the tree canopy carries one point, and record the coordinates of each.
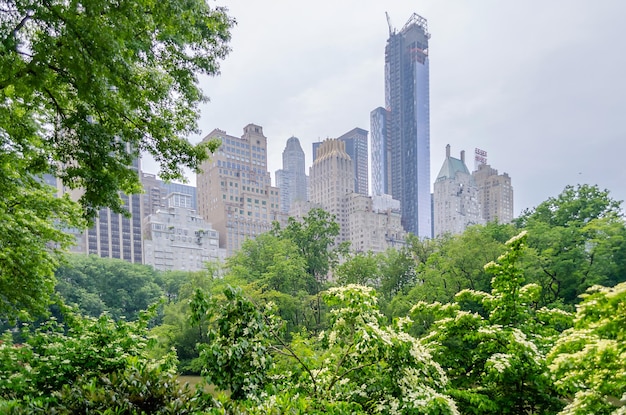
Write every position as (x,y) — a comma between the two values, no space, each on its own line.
(85,88)
(578,240)
(115,286)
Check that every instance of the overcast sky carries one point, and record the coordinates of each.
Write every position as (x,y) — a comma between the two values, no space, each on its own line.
(539,85)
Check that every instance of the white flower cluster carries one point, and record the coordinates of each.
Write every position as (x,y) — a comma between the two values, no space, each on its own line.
(516,237)
(521,339)
(500,361)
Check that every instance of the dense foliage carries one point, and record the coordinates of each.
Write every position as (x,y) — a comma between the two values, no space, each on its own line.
(493,345)
(90,365)
(459,324)
(579,240)
(97,285)
(589,360)
(85,87)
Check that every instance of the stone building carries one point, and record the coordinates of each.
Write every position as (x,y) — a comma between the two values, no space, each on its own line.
(331,180)
(234,189)
(455,197)
(495,194)
(177,238)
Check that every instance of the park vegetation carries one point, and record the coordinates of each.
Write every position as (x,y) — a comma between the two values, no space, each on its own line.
(520,318)
(296,323)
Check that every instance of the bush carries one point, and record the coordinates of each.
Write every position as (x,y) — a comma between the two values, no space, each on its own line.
(91,365)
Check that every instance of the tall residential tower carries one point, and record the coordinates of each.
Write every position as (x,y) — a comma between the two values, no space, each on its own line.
(355,142)
(234,188)
(331,180)
(407,128)
(495,193)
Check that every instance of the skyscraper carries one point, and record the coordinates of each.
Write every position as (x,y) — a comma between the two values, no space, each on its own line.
(114,235)
(356,147)
(234,188)
(292,179)
(408,123)
(495,194)
(380,150)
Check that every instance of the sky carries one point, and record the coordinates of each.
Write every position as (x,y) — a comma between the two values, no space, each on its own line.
(539,85)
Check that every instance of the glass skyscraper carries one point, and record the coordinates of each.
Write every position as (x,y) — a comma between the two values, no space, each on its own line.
(380,172)
(408,124)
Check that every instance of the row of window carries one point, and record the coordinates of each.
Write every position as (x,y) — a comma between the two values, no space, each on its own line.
(240,144)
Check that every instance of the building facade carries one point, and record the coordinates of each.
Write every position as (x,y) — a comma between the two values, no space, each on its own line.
(292,178)
(380,151)
(495,194)
(371,229)
(455,197)
(156,191)
(113,235)
(356,147)
(234,189)
(407,102)
(177,238)
(331,179)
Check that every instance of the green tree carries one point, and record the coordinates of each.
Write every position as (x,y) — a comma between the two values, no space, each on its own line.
(579,240)
(357,366)
(176,330)
(89,365)
(588,360)
(97,285)
(85,87)
(496,363)
(315,236)
(236,357)
(459,262)
(271,263)
(449,264)
(397,270)
(30,218)
(361,268)
(272,269)
(378,366)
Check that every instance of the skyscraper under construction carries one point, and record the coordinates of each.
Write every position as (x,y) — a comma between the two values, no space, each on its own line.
(404,142)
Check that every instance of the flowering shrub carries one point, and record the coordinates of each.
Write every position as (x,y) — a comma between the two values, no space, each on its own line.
(87,364)
(588,361)
(495,361)
(357,365)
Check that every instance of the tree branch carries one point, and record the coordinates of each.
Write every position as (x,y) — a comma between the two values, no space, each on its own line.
(291,352)
(20,25)
(60,110)
(343,358)
(364,365)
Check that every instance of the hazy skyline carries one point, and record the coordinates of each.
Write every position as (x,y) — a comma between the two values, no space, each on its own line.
(539,85)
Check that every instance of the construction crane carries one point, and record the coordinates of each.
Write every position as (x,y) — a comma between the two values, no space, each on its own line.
(391,30)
